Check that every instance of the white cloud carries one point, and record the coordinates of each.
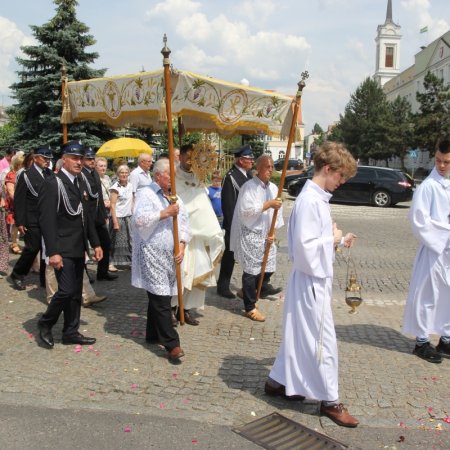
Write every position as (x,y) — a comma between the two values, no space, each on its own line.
(257,12)
(223,44)
(11,39)
(174,10)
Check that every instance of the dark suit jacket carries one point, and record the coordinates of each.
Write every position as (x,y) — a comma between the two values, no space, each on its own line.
(230,194)
(25,203)
(64,234)
(97,208)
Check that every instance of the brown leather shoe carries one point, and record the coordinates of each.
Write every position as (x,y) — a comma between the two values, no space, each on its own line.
(281,391)
(339,414)
(189,319)
(255,315)
(92,300)
(176,353)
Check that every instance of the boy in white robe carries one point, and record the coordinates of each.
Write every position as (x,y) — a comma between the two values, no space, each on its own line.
(428,306)
(307,361)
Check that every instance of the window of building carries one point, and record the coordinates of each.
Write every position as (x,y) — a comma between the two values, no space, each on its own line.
(389,60)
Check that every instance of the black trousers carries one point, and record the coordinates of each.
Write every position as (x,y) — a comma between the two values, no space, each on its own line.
(226,265)
(250,286)
(159,321)
(105,243)
(32,239)
(67,298)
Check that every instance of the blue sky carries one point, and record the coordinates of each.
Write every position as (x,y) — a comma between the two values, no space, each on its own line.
(267,42)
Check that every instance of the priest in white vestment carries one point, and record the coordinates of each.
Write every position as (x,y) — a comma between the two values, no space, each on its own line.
(250,227)
(153,260)
(307,361)
(428,306)
(203,254)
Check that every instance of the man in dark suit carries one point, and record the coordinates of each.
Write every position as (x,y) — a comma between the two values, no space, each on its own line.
(26,196)
(234,179)
(66,227)
(98,212)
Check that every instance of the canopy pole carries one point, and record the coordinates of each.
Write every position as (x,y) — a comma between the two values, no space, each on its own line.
(297,105)
(63,101)
(173,197)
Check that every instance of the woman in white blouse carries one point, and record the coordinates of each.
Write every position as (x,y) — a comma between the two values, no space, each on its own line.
(121,203)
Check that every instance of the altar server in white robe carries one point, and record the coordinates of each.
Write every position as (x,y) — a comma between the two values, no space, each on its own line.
(428,306)
(307,361)
(204,252)
(250,227)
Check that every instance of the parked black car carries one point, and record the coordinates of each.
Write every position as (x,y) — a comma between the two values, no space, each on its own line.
(379,186)
(293,164)
(289,179)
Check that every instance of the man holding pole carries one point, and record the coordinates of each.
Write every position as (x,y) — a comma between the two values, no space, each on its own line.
(249,234)
(153,262)
(234,179)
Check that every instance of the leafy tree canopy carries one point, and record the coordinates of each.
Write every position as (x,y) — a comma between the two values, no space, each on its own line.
(432,122)
(364,125)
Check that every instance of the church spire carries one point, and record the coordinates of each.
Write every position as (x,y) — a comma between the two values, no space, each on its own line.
(389,12)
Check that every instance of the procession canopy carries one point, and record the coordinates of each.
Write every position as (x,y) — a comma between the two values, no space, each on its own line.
(204,103)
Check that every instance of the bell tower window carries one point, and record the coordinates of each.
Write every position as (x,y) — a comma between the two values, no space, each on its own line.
(389,59)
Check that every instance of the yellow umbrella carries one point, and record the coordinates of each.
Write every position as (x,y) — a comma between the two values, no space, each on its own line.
(124,146)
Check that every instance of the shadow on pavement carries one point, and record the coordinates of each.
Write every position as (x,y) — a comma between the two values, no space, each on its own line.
(375,336)
(250,374)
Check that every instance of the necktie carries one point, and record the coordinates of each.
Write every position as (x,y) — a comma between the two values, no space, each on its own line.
(46,172)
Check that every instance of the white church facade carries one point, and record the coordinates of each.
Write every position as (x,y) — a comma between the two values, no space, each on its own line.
(434,58)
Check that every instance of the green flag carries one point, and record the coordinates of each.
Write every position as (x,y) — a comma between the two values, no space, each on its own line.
(424,29)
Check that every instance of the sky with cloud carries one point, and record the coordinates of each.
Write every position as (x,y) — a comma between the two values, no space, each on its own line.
(267,42)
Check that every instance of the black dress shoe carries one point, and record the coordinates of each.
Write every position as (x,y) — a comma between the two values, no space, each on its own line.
(225,292)
(189,319)
(79,339)
(268,290)
(46,337)
(17,282)
(107,277)
(428,352)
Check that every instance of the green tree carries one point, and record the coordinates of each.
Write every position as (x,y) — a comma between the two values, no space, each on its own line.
(7,133)
(256,142)
(319,140)
(432,122)
(62,40)
(400,135)
(364,125)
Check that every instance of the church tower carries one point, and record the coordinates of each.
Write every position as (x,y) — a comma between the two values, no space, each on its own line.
(387,63)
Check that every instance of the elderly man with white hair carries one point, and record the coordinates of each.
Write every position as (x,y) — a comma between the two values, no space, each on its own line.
(140,176)
(153,259)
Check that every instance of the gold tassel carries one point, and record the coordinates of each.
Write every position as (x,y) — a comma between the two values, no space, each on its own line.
(162,112)
(66,115)
(298,134)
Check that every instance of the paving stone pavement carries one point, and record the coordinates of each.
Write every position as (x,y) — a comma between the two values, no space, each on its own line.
(228,357)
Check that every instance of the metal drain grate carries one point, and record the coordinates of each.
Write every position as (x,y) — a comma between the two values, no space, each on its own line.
(276,432)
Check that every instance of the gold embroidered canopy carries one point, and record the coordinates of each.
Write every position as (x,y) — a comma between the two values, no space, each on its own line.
(204,103)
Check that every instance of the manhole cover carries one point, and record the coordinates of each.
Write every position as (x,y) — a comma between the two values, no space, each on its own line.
(276,432)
